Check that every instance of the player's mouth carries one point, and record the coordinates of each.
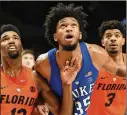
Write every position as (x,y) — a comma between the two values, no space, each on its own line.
(12,47)
(69,37)
(113,45)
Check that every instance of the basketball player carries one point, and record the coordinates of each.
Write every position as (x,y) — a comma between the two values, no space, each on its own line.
(20,86)
(28,58)
(109,93)
(65,28)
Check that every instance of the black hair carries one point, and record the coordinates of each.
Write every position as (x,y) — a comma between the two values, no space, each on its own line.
(112,24)
(9,27)
(62,11)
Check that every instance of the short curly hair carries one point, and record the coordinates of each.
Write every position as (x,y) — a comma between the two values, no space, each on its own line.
(62,11)
(112,24)
(9,27)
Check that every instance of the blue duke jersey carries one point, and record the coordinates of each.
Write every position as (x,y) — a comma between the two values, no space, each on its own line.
(82,85)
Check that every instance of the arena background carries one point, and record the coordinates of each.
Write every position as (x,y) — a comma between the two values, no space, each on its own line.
(29,16)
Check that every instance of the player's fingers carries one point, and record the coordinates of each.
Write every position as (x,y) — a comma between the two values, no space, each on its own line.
(71,79)
(72,62)
(40,110)
(77,63)
(67,63)
(46,109)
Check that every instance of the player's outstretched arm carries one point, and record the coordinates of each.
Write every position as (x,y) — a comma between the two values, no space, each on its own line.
(102,59)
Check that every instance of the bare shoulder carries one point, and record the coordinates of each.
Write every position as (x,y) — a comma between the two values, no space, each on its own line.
(41,59)
(98,55)
(93,48)
(42,65)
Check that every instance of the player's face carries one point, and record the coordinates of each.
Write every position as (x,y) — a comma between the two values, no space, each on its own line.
(10,45)
(113,41)
(68,33)
(28,60)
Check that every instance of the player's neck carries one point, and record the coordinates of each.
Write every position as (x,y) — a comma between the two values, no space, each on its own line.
(118,58)
(63,56)
(12,67)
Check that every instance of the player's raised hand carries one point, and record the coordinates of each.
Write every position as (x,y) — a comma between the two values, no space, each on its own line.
(70,69)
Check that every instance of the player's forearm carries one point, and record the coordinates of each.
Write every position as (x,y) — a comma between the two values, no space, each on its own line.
(67,101)
(52,102)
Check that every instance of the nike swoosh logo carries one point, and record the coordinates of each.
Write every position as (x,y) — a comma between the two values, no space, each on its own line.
(103,77)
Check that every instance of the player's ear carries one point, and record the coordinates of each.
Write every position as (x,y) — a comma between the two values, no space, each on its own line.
(55,37)
(80,36)
(22,48)
(123,41)
(102,42)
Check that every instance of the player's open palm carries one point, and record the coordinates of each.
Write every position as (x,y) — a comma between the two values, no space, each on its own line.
(69,70)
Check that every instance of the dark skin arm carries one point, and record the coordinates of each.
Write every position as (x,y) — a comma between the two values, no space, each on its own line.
(68,73)
(101,59)
(46,94)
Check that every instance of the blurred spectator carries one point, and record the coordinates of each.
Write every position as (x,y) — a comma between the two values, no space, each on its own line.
(28,58)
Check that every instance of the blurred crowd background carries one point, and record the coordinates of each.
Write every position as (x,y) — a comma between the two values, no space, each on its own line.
(29,16)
